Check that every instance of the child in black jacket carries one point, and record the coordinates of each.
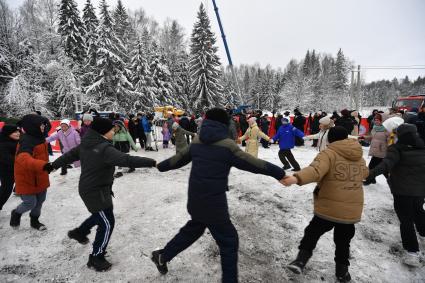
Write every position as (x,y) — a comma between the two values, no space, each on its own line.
(212,154)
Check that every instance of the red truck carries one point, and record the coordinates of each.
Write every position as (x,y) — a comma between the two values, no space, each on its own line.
(409,102)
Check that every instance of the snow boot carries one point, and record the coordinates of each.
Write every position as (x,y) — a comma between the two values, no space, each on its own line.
(98,263)
(64,170)
(297,266)
(157,259)
(296,169)
(341,273)
(36,224)
(131,170)
(412,259)
(76,235)
(286,167)
(15,219)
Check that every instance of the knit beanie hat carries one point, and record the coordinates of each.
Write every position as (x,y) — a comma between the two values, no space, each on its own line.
(102,125)
(406,134)
(66,122)
(337,133)
(392,123)
(345,113)
(325,121)
(219,115)
(8,129)
(87,117)
(377,117)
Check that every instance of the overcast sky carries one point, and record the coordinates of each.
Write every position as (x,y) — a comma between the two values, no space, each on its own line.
(370,32)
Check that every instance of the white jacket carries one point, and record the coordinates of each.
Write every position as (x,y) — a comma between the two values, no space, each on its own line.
(322,138)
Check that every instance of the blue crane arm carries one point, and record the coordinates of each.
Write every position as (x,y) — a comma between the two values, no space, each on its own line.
(222,34)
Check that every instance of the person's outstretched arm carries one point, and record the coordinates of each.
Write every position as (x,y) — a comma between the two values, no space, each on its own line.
(247,162)
(391,159)
(177,161)
(315,171)
(67,158)
(113,156)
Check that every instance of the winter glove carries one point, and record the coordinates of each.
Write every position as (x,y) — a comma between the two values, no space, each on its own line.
(48,167)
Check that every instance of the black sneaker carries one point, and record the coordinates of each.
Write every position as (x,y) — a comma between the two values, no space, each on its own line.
(15,219)
(36,224)
(297,266)
(76,235)
(98,263)
(342,274)
(157,259)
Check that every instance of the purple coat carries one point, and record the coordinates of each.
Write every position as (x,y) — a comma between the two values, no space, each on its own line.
(69,140)
(83,130)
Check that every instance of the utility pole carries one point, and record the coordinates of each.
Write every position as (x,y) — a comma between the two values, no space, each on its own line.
(359,83)
(352,89)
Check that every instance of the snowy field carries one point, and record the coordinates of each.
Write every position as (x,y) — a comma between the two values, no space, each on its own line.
(150,207)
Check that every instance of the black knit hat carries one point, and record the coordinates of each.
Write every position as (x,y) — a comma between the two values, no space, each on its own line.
(406,134)
(8,129)
(219,115)
(337,133)
(101,125)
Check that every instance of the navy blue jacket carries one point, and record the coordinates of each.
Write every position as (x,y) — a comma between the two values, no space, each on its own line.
(286,136)
(212,155)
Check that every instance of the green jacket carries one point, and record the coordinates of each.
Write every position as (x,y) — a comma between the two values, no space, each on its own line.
(123,136)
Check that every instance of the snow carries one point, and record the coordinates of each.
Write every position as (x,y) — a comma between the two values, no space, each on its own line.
(150,207)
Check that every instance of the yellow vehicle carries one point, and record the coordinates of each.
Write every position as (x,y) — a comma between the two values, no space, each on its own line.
(165,111)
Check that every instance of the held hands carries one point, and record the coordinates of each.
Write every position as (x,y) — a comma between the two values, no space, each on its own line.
(288,181)
(48,167)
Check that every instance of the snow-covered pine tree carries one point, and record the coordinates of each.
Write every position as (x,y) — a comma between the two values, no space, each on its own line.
(341,71)
(143,94)
(204,65)
(162,81)
(5,66)
(181,81)
(71,30)
(122,29)
(111,88)
(90,24)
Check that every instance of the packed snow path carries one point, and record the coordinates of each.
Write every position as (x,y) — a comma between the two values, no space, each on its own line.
(150,207)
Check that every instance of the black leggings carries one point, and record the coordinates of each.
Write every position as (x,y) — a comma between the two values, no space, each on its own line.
(7,180)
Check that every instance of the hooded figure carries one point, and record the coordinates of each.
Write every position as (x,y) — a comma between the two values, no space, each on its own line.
(212,155)
(338,199)
(405,163)
(325,124)
(30,178)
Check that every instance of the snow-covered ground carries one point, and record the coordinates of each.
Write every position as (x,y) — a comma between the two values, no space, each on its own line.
(150,207)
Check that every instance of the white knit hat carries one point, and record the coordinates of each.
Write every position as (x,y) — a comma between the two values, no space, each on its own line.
(87,117)
(325,120)
(66,122)
(252,119)
(392,123)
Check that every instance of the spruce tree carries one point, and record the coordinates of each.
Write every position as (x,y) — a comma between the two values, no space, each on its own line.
(122,29)
(161,77)
(71,30)
(111,88)
(90,24)
(204,65)
(341,71)
(144,94)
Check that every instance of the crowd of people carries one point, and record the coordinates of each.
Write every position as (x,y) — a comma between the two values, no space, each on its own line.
(98,145)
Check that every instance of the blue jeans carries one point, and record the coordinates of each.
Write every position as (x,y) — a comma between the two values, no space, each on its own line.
(105,222)
(33,203)
(224,234)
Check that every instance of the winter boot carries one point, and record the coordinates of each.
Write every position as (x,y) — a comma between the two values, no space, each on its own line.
(412,259)
(15,218)
(118,174)
(98,263)
(64,170)
(36,224)
(76,235)
(157,259)
(296,169)
(286,167)
(341,273)
(131,170)
(297,266)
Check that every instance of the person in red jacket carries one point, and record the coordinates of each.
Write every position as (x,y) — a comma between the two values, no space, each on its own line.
(30,178)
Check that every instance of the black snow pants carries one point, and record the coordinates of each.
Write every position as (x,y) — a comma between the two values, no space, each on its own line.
(286,155)
(7,180)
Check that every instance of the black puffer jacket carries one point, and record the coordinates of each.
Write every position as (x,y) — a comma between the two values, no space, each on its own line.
(406,165)
(98,160)
(7,154)
(212,155)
